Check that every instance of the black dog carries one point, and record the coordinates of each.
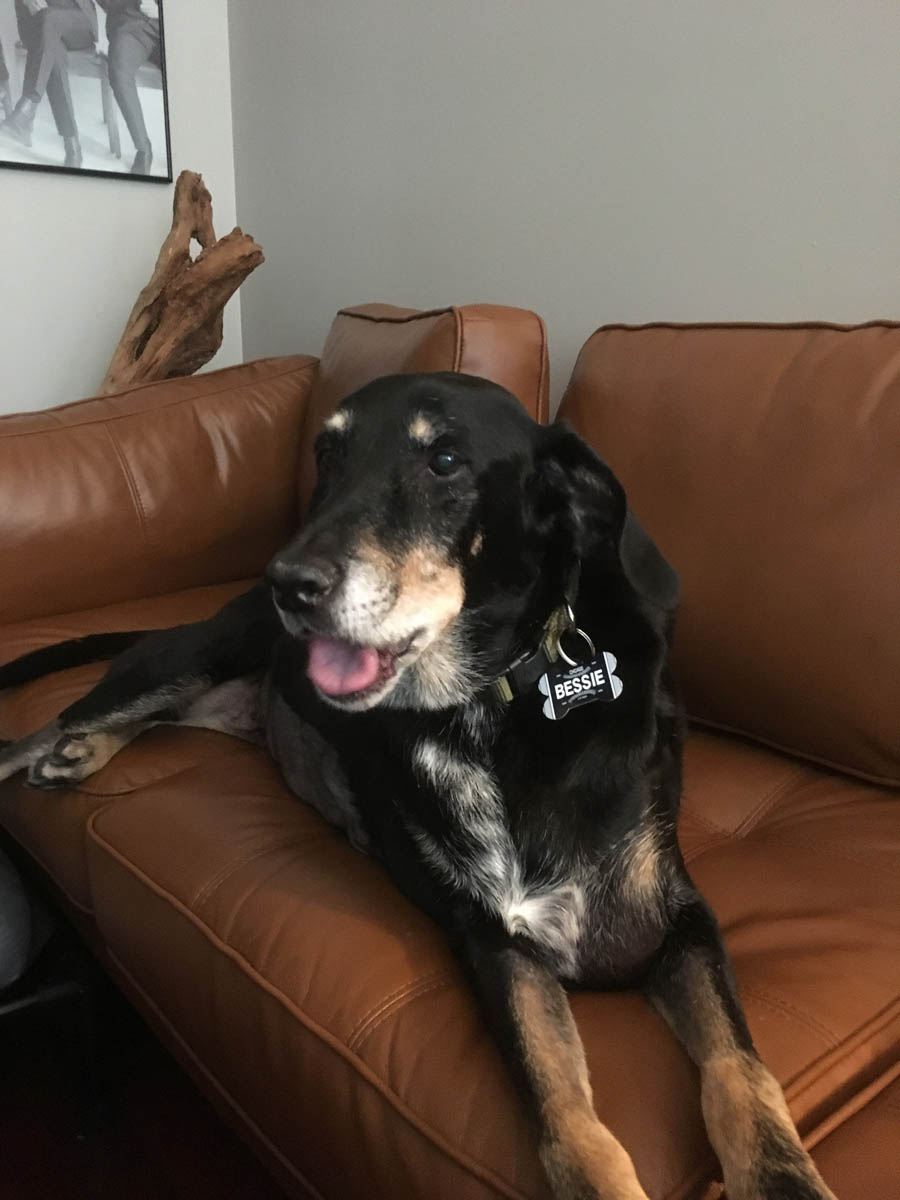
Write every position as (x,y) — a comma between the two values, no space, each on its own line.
(463,575)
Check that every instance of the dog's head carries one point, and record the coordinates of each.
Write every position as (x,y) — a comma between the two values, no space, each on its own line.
(443,529)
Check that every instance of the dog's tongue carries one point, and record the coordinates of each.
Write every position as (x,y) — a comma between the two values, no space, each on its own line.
(339,668)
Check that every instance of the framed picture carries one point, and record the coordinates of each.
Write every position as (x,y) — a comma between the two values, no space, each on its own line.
(83,88)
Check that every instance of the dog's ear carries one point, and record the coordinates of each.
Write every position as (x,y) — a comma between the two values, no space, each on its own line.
(586,504)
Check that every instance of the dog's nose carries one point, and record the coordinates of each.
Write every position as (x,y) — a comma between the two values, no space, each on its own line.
(303,584)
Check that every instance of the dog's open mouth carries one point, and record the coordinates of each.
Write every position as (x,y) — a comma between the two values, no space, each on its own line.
(339,668)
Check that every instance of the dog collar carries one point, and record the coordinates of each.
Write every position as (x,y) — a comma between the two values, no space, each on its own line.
(530,666)
(565,682)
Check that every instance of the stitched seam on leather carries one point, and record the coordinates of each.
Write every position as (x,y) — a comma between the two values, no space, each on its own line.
(704,847)
(437,986)
(406,995)
(849,1046)
(396,994)
(748,822)
(702,1174)
(116,627)
(214,1080)
(891,781)
(132,486)
(776,325)
(772,834)
(779,1004)
(460,348)
(768,801)
(231,868)
(542,408)
(701,819)
(153,408)
(389,320)
(485,1174)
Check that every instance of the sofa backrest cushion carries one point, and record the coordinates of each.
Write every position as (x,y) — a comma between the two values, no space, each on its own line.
(165,486)
(507,345)
(765,460)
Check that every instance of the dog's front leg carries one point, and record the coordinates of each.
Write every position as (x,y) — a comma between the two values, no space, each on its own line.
(171,676)
(529,1014)
(746,1116)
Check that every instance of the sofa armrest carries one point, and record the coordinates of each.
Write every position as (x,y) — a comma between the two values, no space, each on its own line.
(162,487)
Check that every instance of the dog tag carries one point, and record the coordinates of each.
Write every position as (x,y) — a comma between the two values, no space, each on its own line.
(567,687)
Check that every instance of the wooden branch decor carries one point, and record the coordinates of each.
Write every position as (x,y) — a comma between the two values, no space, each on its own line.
(176,325)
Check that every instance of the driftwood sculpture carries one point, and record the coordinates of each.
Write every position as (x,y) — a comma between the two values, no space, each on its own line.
(176,325)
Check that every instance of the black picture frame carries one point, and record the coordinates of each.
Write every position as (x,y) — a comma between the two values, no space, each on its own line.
(101,123)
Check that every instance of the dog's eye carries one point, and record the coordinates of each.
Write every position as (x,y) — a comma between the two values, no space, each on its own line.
(445,462)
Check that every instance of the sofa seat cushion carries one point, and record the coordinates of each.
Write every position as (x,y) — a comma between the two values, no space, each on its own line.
(329,1012)
(51,825)
(860,1159)
(803,870)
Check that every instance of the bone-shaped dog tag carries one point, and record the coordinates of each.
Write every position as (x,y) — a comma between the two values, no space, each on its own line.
(567,687)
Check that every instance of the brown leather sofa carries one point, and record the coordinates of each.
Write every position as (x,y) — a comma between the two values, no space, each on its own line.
(320,1011)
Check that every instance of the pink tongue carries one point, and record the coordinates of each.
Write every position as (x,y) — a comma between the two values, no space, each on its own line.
(338,668)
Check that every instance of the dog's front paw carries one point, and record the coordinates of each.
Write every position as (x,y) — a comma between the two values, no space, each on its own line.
(70,761)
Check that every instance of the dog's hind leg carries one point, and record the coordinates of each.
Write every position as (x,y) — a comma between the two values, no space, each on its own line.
(530,1016)
(746,1116)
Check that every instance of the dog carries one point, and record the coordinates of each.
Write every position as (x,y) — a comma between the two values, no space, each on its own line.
(462,659)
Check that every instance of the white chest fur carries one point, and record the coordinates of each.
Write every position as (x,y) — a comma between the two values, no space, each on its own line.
(484,861)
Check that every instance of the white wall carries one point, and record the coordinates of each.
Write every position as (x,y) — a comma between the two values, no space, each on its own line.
(75,251)
(596,160)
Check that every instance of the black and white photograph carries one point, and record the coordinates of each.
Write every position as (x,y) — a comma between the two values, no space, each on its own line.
(83,87)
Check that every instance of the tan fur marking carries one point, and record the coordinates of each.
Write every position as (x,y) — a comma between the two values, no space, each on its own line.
(101,747)
(576,1149)
(421,429)
(641,881)
(741,1098)
(431,589)
(374,556)
(477,544)
(729,1110)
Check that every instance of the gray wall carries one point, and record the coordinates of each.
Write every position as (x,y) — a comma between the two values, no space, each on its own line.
(75,251)
(594,160)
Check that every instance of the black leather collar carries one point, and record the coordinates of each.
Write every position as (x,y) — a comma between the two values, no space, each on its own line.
(520,676)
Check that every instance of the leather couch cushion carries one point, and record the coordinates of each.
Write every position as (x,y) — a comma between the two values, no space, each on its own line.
(247,923)
(764,460)
(508,345)
(163,487)
(860,1160)
(51,825)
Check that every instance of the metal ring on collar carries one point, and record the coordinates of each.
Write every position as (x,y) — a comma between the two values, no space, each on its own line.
(573,628)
